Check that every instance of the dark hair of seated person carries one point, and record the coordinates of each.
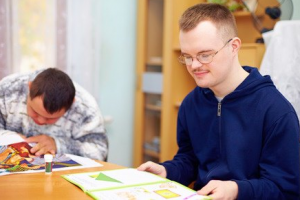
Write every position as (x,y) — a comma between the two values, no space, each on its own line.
(55,87)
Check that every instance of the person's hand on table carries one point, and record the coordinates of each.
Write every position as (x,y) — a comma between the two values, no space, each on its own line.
(44,144)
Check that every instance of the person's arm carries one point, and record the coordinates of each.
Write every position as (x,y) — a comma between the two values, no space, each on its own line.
(12,92)
(87,132)
(278,168)
(279,164)
(88,138)
(87,135)
(183,167)
(3,112)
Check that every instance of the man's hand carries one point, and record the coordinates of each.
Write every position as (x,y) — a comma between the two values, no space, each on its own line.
(153,168)
(220,190)
(45,144)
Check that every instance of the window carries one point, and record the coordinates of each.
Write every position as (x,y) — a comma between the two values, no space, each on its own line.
(35,34)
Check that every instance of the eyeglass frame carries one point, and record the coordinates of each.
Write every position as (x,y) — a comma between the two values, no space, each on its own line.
(212,55)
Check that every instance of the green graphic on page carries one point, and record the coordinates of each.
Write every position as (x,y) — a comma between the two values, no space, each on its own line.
(103,177)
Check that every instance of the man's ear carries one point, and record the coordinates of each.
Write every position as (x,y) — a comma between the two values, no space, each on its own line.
(74,100)
(236,44)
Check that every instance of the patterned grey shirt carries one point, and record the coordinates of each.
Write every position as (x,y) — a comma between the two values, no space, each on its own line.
(79,131)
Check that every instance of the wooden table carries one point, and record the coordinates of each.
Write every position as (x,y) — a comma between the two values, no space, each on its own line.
(41,186)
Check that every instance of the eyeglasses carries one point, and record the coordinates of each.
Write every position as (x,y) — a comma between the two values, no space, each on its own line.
(203,58)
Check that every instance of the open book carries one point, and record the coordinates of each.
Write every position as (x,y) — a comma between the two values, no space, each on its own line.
(129,183)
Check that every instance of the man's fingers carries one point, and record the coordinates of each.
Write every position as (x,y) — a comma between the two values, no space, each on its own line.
(208,189)
(44,144)
(145,166)
(35,148)
(38,150)
(42,151)
(32,139)
(52,152)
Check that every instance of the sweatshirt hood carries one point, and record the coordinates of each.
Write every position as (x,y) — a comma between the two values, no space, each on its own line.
(252,83)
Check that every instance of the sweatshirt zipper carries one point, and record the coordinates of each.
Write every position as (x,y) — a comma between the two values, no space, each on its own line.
(219,109)
(216,167)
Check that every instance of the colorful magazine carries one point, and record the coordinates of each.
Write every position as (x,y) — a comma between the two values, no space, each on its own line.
(15,157)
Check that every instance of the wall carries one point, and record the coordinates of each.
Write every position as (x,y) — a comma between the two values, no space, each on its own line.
(296,12)
(117,75)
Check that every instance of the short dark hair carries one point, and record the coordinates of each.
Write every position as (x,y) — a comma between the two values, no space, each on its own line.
(218,14)
(55,87)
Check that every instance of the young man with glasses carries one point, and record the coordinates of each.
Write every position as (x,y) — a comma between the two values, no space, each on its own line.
(237,135)
(47,109)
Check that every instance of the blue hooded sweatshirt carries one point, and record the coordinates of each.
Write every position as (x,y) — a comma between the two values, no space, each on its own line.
(250,137)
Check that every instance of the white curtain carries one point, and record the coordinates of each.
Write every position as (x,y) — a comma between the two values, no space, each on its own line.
(83,43)
(6,36)
(27,35)
(67,37)
(282,58)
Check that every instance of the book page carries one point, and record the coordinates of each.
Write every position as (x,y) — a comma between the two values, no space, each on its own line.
(10,138)
(112,179)
(157,191)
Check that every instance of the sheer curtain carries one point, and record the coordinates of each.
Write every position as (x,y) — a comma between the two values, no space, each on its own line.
(6,35)
(83,43)
(51,33)
(282,58)
(27,32)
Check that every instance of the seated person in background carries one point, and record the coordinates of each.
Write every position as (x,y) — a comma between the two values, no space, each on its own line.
(238,137)
(52,113)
